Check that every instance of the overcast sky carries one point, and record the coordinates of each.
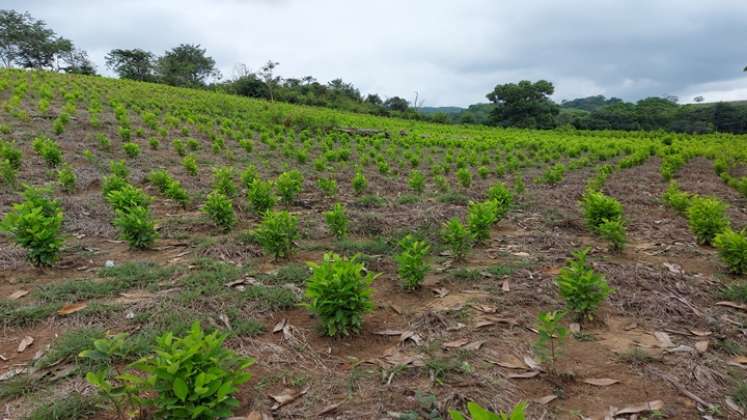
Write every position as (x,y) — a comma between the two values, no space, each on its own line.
(452,51)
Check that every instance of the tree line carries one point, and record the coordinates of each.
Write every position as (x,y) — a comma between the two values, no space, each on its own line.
(27,42)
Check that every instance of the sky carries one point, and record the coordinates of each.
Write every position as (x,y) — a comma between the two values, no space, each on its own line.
(452,52)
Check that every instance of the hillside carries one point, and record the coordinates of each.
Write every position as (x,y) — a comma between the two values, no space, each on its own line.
(371,267)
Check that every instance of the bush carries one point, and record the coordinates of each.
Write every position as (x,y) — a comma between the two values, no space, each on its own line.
(112,183)
(411,264)
(189,163)
(49,150)
(677,199)
(328,186)
(132,150)
(11,153)
(732,248)
(219,209)
(465,177)
(289,184)
(581,287)
(248,175)
(35,224)
(119,168)
(339,293)
(7,172)
(614,232)
(136,227)
(359,183)
(337,221)
(189,377)
(707,218)
(457,238)
(159,178)
(176,192)
(503,198)
(476,412)
(223,181)
(554,175)
(261,197)
(277,233)
(599,208)
(127,197)
(480,217)
(66,178)
(417,181)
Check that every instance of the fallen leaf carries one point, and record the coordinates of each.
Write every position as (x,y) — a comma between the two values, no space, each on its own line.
(740,360)
(701,333)
(509,362)
(641,408)
(455,344)
(328,409)
(410,335)
(664,339)
(701,346)
(733,305)
(485,308)
(3,358)
(600,381)
(574,327)
(279,326)
(71,308)
(441,292)
(395,308)
(235,283)
(531,363)
(673,268)
(474,346)
(506,287)
(526,375)
(287,396)
(18,294)
(520,254)
(389,332)
(547,399)
(681,349)
(25,343)
(484,323)
(224,319)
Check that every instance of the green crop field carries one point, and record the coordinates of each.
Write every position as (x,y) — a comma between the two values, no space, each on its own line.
(178,253)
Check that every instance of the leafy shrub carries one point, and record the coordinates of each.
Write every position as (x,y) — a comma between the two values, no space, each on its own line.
(599,208)
(476,412)
(465,177)
(554,174)
(127,197)
(189,163)
(132,150)
(223,181)
(551,335)
(732,248)
(248,175)
(261,196)
(194,376)
(66,178)
(136,227)
(154,143)
(277,233)
(176,192)
(119,168)
(581,287)
(339,293)
(417,181)
(411,264)
(503,198)
(112,183)
(289,184)
(219,209)
(614,232)
(359,183)
(11,153)
(328,186)
(457,238)
(49,150)
(676,198)
(707,218)
(8,173)
(34,224)
(480,217)
(337,221)
(160,178)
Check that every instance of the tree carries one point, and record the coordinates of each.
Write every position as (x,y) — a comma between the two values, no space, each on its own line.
(728,118)
(135,64)
(395,103)
(28,42)
(374,99)
(186,65)
(77,62)
(698,99)
(524,104)
(266,73)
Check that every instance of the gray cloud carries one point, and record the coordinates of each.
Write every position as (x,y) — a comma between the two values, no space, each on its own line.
(452,52)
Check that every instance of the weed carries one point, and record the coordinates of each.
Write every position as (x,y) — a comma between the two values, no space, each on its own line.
(551,336)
